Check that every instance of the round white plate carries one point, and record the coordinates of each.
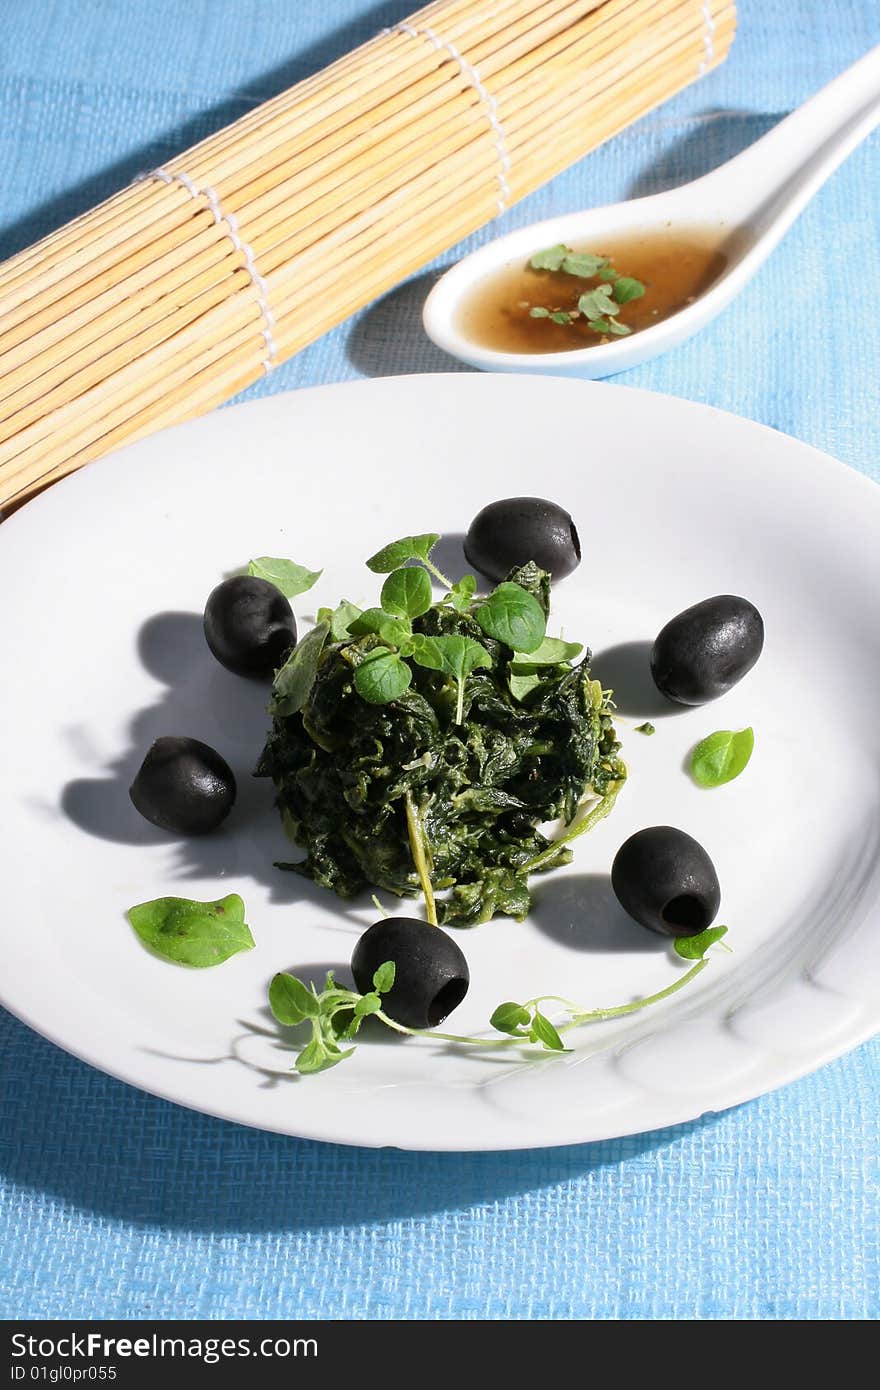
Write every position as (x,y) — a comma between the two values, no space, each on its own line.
(103,581)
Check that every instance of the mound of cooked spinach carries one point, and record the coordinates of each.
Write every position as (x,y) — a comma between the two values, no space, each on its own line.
(419,746)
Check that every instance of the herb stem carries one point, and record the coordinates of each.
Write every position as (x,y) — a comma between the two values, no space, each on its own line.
(595,1015)
(446,1037)
(417,846)
(438,574)
(599,812)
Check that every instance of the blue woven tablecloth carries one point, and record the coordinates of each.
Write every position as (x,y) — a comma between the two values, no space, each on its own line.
(118,1205)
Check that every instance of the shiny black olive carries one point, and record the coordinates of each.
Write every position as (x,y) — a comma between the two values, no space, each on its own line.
(666,880)
(431,973)
(249,625)
(706,649)
(184,785)
(518,529)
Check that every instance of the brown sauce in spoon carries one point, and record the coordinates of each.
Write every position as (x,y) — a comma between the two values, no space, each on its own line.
(676,266)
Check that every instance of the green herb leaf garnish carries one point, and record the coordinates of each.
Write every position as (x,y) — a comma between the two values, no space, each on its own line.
(598,303)
(290,578)
(510,1018)
(722,756)
(461,595)
(646,728)
(407,592)
(583,265)
(538,312)
(551,652)
(395,631)
(392,556)
(381,677)
(340,619)
(458,657)
(512,615)
(193,933)
(551,259)
(290,1001)
(294,681)
(617,329)
(626,288)
(695,947)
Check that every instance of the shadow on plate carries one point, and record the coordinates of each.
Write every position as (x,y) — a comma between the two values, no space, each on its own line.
(626,671)
(228,712)
(580,911)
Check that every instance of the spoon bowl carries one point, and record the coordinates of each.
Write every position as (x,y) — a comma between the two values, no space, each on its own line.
(745,207)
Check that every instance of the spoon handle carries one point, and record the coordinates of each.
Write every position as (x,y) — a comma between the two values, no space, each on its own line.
(780,173)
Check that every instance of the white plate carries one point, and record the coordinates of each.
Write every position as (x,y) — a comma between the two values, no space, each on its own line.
(104,578)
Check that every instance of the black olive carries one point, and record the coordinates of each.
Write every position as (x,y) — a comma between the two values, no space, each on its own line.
(431,974)
(511,532)
(184,785)
(666,880)
(706,649)
(249,625)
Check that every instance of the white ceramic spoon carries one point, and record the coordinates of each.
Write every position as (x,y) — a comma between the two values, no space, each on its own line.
(752,201)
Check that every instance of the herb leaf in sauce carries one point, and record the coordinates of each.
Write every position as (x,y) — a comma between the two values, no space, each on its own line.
(551,259)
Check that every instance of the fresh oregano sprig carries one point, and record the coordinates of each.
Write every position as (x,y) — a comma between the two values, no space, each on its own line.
(335,1014)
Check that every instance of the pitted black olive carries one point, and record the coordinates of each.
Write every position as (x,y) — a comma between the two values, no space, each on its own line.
(511,532)
(184,786)
(706,649)
(431,974)
(665,879)
(249,625)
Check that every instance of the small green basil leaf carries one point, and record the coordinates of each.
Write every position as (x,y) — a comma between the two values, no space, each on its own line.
(509,1018)
(600,325)
(425,652)
(543,1031)
(461,594)
(583,265)
(381,677)
(539,313)
(290,578)
(290,1000)
(597,303)
(383,979)
(609,273)
(366,1005)
(695,947)
(626,288)
(551,652)
(722,756)
(340,619)
(392,630)
(646,728)
(407,592)
(392,556)
(293,683)
(512,615)
(560,316)
(460,655)
(551,259)
(620,330)
(523,680)
(316,1057)
(193,933)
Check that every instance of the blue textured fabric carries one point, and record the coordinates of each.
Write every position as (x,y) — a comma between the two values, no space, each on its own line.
(115,1204)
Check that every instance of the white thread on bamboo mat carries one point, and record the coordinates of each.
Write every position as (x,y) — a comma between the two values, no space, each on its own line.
(228,222)
(708,38)
(471,74)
